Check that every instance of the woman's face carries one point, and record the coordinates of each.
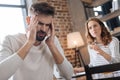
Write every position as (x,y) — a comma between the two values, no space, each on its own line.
(94,29)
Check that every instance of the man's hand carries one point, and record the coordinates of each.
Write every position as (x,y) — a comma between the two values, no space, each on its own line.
(50,39)
(32,29)
(31,37)
(50,42)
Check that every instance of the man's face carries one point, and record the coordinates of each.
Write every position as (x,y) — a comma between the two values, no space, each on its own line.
(40,35)
(44,24)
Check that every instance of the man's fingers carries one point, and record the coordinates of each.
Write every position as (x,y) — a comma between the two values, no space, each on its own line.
(53,29)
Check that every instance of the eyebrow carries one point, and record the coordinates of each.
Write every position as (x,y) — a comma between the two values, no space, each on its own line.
(43,23)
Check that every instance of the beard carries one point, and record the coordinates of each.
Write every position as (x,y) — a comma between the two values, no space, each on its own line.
(40,35)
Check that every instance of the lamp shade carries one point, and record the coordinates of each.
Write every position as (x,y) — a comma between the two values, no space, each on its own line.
(74,40)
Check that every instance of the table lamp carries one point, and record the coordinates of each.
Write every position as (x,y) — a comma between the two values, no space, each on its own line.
(75,40)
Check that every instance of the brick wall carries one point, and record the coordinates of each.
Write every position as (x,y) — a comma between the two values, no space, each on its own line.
(62,25)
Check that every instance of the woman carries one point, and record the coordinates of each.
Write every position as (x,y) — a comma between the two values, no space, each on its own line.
(102,47)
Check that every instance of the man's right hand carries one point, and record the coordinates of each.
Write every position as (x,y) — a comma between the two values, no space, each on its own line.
(31,37)
(32,29)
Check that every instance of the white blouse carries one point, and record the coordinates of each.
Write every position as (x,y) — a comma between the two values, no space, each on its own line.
(112,49)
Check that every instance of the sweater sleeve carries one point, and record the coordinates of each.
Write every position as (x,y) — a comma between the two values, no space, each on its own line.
(65,68)
(9,60)
(114,48)
(9,66)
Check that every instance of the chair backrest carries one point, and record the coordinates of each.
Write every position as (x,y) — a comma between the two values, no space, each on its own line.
(100,69)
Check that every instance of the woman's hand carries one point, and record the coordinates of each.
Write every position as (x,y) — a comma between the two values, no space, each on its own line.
(100,51)
(96,48)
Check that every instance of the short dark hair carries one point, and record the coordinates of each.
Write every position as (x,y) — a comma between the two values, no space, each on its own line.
(42,8)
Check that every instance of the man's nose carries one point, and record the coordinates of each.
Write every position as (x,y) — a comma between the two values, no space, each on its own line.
(43,27)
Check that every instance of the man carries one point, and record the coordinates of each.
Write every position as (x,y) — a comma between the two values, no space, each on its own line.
(32,56)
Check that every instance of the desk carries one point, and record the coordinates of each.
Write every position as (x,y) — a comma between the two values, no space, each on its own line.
(79,76)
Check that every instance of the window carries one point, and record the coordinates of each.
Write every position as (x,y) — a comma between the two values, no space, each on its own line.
(12,17)
(107,8)
(98,13)
(11,2)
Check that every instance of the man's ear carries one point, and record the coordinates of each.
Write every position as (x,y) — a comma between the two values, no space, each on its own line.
(28,20)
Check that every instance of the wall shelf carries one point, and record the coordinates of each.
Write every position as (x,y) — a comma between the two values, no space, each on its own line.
(110,15)
(98,3)
(94,3)
(106,17)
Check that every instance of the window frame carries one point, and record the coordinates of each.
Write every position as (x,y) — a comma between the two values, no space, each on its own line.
(23,6)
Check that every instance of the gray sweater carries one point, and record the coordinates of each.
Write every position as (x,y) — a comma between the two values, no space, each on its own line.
(38,64)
